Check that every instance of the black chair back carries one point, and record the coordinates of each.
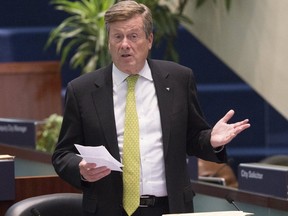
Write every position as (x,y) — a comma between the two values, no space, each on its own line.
(57,204)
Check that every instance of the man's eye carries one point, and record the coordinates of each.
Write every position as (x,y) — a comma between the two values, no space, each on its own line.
(118,37)
(133,37)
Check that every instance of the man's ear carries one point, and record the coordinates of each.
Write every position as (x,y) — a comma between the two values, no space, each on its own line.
(150,39)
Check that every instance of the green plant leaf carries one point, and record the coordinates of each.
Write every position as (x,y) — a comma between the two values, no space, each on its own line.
(48,132)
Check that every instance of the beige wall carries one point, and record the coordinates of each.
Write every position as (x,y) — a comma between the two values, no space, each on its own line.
(252,39)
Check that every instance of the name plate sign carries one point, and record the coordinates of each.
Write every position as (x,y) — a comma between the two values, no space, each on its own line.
(7,179)
(264,178)
(18,132)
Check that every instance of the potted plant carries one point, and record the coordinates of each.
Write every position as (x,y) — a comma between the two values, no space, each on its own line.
(48,132)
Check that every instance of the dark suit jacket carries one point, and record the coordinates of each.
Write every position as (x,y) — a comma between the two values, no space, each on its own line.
(89,120)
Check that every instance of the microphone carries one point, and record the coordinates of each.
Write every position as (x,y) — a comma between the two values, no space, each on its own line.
(231,201)
(35,212)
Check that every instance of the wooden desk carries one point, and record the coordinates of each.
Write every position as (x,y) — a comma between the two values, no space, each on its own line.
(33,186)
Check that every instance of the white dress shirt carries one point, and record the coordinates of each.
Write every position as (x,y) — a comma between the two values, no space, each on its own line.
(152,180)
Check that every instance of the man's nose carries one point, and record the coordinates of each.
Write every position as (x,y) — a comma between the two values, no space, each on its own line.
(125,43)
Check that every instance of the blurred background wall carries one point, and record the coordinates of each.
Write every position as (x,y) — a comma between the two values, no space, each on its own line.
(252,39)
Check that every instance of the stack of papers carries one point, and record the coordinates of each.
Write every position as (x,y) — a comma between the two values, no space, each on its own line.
(6,157)
(100,156)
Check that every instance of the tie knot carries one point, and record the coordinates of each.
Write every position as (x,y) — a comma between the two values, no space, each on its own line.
(131,80)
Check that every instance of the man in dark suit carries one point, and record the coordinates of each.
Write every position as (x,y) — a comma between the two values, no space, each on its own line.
(169,116)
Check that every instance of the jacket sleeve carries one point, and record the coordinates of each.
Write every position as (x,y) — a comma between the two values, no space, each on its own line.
(64,158)
(199,131)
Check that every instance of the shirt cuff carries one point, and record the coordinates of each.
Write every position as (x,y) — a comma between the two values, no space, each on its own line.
(218,149)
(83,179)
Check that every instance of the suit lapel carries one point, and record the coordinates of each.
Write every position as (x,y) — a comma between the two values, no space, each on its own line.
(164,95)
(103,101)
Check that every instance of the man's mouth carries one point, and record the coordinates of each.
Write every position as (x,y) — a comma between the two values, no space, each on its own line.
(125,55)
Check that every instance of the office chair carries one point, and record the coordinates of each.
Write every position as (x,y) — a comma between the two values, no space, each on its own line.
(58,204)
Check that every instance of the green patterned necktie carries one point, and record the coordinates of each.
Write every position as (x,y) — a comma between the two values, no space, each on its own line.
(131,152)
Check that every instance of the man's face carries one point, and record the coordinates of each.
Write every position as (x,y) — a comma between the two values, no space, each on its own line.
(128,44)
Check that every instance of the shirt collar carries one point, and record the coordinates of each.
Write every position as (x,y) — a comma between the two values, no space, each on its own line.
(119,76)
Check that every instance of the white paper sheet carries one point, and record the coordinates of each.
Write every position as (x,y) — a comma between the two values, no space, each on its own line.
(218,213)
(100,156)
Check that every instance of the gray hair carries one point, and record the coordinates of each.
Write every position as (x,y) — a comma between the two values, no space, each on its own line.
(127,9)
